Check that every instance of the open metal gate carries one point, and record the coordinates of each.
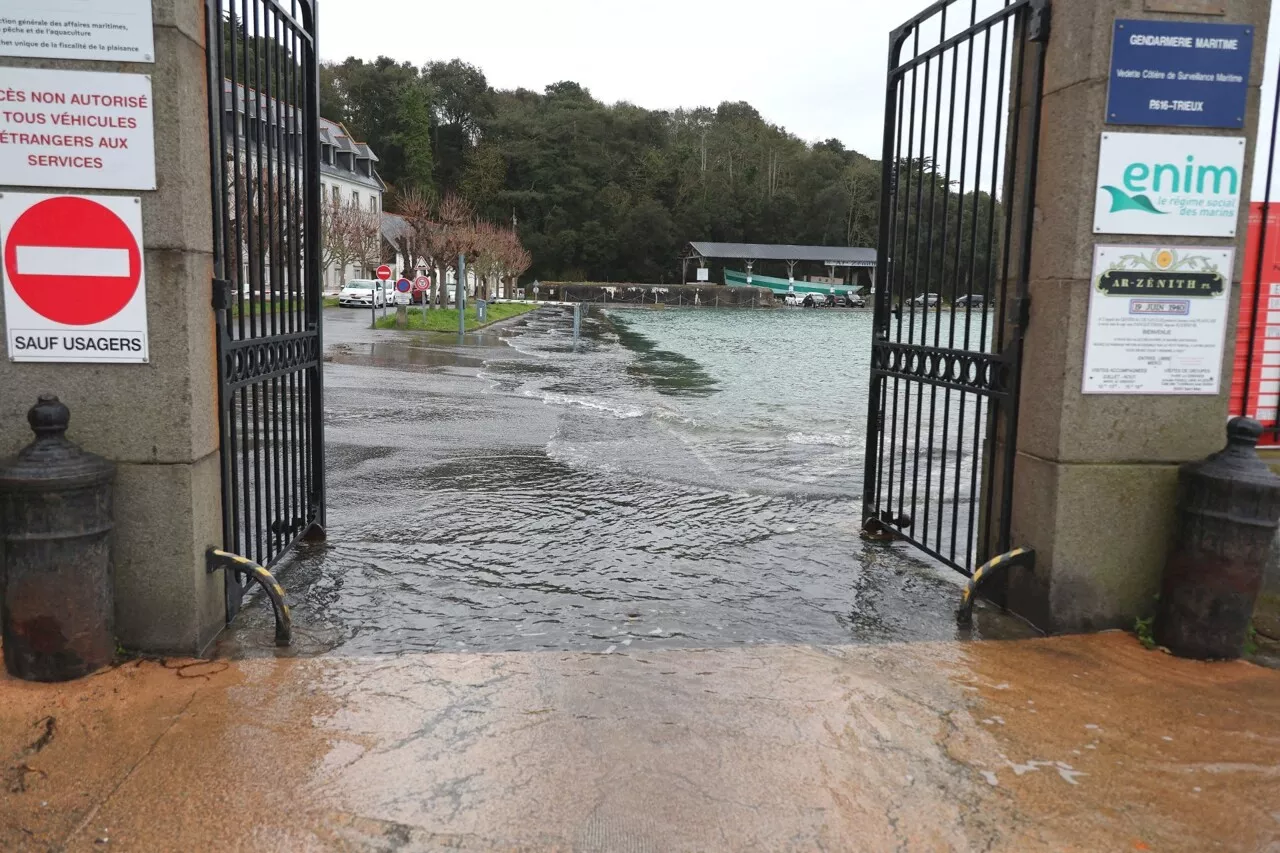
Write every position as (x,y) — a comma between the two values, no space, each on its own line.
(961,129)
(264,124)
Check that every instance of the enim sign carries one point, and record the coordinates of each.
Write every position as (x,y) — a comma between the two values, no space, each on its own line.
(1169,184)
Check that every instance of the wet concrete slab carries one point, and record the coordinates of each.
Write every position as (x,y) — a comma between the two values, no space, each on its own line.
(1078,744)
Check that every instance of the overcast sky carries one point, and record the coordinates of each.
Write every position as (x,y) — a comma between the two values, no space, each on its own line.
(816,67)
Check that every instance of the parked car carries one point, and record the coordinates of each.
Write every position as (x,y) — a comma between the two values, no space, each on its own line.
(851,300)
(929,299)
(363,293)
(794,299)
(973,300)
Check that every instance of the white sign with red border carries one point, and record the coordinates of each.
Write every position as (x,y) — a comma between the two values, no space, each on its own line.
(112,30)
(421,283)
(81,129)
(75,286)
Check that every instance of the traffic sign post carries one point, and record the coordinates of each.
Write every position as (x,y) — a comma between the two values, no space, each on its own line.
(422,285)
(74,282)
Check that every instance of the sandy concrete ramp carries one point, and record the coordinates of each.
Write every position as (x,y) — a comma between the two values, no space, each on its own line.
(1081,744)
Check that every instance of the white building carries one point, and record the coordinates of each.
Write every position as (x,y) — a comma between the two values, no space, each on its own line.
(347,176)
(269,131)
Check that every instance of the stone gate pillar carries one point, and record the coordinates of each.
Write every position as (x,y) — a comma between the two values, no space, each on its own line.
(158,419)
(1095,477)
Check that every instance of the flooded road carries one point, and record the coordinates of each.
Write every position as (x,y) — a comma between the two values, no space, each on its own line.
(674,479)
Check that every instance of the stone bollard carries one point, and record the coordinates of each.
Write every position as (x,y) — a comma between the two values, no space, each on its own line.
(1228,513)
(57,614)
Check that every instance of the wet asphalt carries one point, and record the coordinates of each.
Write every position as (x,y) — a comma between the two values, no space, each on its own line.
(499,492)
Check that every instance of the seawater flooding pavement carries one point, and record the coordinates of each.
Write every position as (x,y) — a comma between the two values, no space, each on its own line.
(675,479)
(612,597)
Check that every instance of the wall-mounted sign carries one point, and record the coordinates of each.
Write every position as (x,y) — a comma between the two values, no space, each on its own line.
(113,30)
(1169,185)
(1157,319)
(74,284)
(1179,73)
(704,274)
(82,129)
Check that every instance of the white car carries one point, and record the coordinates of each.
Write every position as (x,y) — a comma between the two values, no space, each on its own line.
(360,293)
(927,299)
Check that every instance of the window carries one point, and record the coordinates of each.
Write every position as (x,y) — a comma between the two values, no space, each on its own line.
(373,203)
(328,154)
(355,200)
(337,195)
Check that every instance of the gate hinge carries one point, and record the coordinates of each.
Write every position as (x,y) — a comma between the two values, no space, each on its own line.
(1022,311)
(1038,22)
(221,294)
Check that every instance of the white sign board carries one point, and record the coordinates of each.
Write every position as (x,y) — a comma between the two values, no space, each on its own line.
(704,274)
(74,284)
(112,30)
(1171,185)
(82,129)
(403,298)
(1157,319)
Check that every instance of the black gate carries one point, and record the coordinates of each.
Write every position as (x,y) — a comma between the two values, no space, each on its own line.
(264,123)
(961,123)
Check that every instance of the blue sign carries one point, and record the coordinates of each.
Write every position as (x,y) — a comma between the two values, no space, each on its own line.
(1179,74)
(404,285)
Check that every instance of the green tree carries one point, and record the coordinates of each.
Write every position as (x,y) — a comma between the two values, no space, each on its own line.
(413,137)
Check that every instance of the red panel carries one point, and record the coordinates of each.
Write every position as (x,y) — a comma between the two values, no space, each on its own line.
(1264,380)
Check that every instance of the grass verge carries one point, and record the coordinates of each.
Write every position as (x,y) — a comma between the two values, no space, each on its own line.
(277,306)
(446,320)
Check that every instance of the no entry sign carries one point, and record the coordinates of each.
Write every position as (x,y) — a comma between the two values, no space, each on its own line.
(74,282)
(383,273)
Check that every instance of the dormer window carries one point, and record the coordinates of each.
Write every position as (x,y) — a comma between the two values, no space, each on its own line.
(328,154)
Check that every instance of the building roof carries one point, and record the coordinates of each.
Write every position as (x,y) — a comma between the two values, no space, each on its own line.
(394,228)
(851,256)
(335,134)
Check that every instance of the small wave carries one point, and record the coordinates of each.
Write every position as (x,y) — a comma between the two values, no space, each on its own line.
(664,414)
(620,412)
(823,439)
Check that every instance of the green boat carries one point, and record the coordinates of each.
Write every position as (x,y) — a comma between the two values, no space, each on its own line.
(781,286)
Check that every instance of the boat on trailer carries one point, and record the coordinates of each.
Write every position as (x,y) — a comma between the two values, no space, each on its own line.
(782,286)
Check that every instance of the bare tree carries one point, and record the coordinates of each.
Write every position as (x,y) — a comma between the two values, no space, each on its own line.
(419,214)
(455,236)
(338,244)
(517,261)
(263,231)
(366,237)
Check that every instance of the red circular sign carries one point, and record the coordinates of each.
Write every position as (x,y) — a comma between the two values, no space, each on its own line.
(384,272)
(72,261)
(422,283)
